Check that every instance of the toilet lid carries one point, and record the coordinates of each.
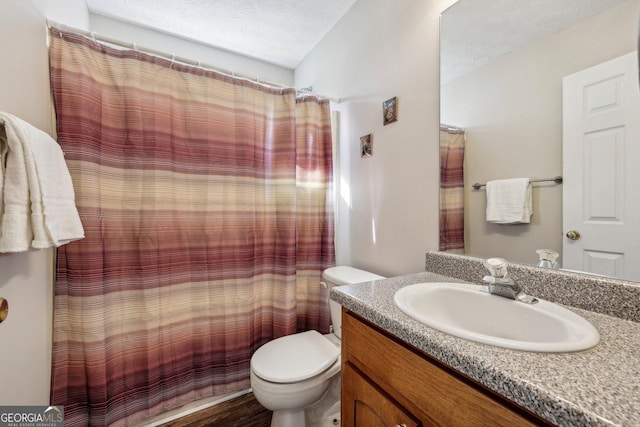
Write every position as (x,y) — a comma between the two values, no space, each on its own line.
(294,357)
(345,275)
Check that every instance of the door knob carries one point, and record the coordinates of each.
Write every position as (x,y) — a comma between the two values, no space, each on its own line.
(573,235)
(4,309)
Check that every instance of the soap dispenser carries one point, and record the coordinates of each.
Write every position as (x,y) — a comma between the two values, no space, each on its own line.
(547,258)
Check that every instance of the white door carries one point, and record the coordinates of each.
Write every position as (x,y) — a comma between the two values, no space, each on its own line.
(601,167)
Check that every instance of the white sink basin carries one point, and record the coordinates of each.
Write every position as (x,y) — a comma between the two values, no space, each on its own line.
(466,312)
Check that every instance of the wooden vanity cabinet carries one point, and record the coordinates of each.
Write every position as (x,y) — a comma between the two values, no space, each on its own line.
(388,383)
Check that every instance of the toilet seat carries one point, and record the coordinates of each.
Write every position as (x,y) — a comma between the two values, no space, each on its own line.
(294,357)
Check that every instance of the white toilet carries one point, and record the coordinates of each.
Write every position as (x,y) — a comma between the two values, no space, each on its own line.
(291,373)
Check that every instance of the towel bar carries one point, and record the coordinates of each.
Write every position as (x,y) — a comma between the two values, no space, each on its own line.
(557,180)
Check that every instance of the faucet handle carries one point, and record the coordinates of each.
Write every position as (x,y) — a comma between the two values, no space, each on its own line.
(496,266)
(547,258)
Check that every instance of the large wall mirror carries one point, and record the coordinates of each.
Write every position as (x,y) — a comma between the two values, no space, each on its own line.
(502,69)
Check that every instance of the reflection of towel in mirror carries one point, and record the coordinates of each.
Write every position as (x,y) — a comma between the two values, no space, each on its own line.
(37,200)
(509,201)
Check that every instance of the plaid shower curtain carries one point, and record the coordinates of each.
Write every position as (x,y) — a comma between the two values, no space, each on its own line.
(206,203)
(452,189)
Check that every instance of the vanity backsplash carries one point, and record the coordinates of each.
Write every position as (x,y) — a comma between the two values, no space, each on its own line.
(603,295)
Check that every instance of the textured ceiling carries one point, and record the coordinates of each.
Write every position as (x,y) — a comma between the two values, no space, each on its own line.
(476,32)
(281,32)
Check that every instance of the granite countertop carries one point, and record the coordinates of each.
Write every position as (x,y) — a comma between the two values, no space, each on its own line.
(596,387)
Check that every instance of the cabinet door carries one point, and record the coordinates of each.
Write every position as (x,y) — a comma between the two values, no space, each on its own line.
(365,405)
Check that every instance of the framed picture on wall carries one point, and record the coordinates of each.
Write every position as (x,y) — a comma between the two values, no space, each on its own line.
(390,110)
(366,146)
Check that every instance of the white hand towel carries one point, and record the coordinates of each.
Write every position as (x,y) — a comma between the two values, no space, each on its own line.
(509,201)
(37,200)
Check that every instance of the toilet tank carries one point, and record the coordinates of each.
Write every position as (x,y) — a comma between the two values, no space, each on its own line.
(343,275)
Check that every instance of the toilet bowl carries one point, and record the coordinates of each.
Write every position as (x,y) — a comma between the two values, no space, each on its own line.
(293,372)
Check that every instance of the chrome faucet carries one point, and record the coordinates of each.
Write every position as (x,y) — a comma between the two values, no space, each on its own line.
(499,283)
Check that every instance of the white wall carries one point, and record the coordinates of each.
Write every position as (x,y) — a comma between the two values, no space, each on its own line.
(187,49)
(512,111)
(26,279)
(379,50)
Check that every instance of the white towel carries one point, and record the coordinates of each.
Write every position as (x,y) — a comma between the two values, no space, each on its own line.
(509,201)
(37,203)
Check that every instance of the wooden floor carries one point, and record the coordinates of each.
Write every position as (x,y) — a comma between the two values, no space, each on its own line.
(242,411)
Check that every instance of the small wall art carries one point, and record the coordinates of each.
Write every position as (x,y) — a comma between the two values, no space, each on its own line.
(366,146)
(390,110)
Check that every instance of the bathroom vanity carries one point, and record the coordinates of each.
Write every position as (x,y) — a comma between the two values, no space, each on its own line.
(398,370)
(389,381)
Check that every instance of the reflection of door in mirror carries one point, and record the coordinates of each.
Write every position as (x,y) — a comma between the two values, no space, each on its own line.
(601,138)
(511,107)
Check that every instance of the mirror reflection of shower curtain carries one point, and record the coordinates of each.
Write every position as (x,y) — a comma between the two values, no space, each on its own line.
(452,144)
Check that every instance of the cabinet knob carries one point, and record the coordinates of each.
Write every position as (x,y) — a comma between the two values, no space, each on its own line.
(401,425)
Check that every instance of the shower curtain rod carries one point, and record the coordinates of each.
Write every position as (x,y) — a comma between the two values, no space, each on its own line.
(172,57)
